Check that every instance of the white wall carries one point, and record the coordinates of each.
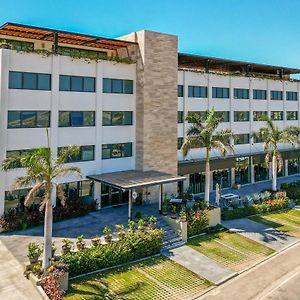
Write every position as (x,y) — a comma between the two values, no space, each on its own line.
(186,104)
(54,101)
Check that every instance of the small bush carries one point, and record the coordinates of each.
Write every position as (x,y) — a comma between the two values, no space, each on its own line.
(265,207)
(135,245)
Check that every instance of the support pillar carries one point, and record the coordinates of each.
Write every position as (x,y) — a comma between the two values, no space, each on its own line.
(160,199)
(232,176)
(130,204)
(53,197)
(97,194)
(252,170)
(286,167)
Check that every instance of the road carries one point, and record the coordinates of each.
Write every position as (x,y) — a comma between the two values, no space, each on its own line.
(275,279)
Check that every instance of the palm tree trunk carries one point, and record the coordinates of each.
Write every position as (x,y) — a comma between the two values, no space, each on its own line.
(47,234)
(274,173)
(207,177)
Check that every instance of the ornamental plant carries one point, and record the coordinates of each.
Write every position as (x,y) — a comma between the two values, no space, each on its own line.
(34,252)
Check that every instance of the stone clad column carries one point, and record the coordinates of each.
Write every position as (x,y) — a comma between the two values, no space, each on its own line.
(156,102)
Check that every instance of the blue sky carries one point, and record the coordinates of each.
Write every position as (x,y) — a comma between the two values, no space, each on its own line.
(263,31)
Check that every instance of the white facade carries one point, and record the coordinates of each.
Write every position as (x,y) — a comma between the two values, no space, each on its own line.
(55,101)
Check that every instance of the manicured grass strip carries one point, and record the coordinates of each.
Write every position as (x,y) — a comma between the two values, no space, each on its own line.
(230,249)
(157,278)
(288,222)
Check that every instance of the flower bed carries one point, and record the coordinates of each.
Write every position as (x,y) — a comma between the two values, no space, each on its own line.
(13,220)
(265,207)
(134,245)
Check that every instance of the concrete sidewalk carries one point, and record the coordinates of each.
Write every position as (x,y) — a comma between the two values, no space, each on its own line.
(13,285)
(260,233)
(200,264)
(263,281)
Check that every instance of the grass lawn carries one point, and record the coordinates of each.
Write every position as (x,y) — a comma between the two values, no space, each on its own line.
(230,249)
(156,278)
(288,221)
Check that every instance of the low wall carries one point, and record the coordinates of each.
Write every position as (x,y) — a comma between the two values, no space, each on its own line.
(214,218)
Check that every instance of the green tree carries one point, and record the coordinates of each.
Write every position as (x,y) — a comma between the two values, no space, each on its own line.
(42,174)
(204,134)
(271,135)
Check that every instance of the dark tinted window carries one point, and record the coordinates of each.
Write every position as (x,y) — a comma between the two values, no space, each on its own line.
(116,118)
(29,81)
(28,119)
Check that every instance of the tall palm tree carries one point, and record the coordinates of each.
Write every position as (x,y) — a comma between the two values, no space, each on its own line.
(272,136)
(204,134)
(42,174)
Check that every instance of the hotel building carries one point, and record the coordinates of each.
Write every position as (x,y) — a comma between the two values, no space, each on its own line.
(124,102)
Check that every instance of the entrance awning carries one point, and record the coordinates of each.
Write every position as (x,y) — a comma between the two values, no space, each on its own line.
(133,179)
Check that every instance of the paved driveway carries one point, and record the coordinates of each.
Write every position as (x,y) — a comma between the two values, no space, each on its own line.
(260,233)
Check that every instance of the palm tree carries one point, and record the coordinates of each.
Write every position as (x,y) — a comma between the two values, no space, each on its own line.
(272,136)
(204,135)
(42,172)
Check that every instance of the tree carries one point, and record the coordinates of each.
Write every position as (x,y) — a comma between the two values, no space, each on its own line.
(204,134)
(272,136)
(42,174)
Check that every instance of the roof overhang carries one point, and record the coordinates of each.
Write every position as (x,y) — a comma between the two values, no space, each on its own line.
(133,179)
(64,37)
(198,62)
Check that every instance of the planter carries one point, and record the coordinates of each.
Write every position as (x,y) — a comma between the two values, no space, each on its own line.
(164,213)
(63,280)
(80,245)
(173,216)
(33,260)
(96,241)
(66,249)
(108,238)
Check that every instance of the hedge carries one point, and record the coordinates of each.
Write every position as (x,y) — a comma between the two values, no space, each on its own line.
(133,246)
(265,207)
(292,189)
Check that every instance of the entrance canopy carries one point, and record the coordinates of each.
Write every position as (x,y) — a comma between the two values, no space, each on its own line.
(133,179)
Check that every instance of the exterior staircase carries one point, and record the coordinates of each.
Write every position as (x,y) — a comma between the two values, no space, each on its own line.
(172,239)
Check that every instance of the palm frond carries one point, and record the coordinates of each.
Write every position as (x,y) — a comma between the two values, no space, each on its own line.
(279,161)
(23,182)
(67,153)
(61,194)
(190,143)
(11,162)
(32,193)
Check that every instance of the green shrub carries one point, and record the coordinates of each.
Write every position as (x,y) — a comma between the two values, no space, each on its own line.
(292,189)
(197,222)
(265,207)
(133,246)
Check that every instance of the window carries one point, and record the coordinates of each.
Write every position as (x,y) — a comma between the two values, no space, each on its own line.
(19,45)
(180,117)
(241,116)
(116,118)
(179,142)
(28,119)
(240,139)
(276,95)
(241,93)
(197,91)
(82,53)
(260,94)
(76,118)
(257,139)
(77,83)
(218,92)
(292,96)
(180,90)
(277,115)
(257,115)
(292,115)
(29,81)
(117,86)
(225,115)
(86,153)
(116,150)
